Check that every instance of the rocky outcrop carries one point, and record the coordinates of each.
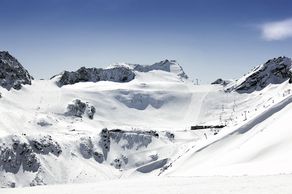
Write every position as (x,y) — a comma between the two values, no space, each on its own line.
(12,73)
(17,155)
(45,145)
(165,65)
(133,139)
(105,142)
(116,74)
(17,152)
(79,108)
(127,140)
(274,71)
(220,82)
(87,150)
(118,163)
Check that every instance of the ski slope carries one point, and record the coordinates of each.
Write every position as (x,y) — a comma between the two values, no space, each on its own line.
(148,121)
(258,146)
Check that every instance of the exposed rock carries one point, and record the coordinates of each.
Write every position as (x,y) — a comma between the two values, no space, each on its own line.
(86,148)
(165,65)
(12,73)
(43,123)
(78,108)
(104,142)
(221,82)
(98,157)
(119,162)
(169,135)
(116,74)
(37,181)
(45,145)
(11,184)
(133,139)
(274,71)
(19,154)
(90,111)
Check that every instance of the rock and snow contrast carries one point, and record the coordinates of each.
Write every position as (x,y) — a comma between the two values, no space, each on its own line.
(274,71)
(12,74)
(129,127)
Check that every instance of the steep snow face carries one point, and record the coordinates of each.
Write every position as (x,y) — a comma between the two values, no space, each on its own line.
(117,74)
(12,73)
(274,71)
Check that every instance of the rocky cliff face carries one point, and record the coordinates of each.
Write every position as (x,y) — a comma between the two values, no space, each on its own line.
(274,71)
(165,65)
(12,73)
(220,82)
(117,74)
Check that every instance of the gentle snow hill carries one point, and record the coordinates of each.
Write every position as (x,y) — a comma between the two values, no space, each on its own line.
(95,129)
(183,185)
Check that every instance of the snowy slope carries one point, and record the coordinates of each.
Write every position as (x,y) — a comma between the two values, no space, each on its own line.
(147,121)
(156,100)
(258,146)
(183,185)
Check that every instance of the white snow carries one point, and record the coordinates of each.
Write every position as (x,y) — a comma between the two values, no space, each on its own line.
(210,185)
(255,143)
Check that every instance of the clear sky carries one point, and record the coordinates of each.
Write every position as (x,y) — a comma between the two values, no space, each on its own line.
(209,38)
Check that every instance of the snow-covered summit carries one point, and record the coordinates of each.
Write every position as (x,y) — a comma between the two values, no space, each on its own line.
(274,71)
(220,81)
(166,65)
(119,72)
(12,73)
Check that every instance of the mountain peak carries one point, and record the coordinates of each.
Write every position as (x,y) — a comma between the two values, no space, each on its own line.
(165,65)
(274,71)
(12,73)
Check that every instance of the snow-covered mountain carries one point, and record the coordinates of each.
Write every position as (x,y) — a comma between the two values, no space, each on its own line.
(131,120)
(12,73)
(274,71)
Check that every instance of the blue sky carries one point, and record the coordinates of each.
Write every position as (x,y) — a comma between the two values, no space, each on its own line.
(209,38)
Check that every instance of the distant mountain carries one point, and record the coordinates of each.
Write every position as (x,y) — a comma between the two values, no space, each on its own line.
(220,81)
(120,72)
(274,71)
(165,65)
(12,73)
(117,74)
